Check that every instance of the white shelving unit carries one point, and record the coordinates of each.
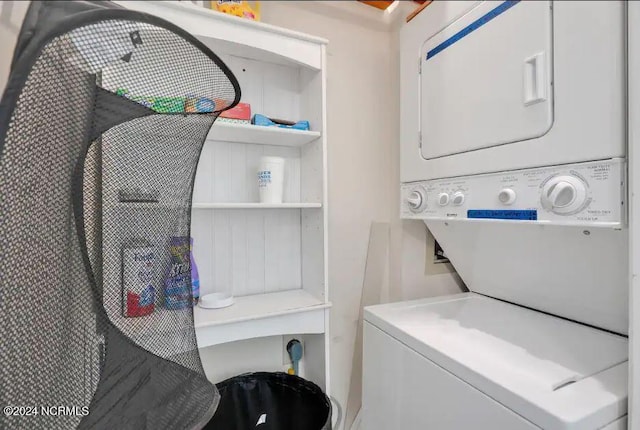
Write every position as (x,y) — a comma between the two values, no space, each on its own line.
(271,257)
(286,312)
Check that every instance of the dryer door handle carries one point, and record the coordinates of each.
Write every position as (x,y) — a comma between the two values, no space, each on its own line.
(535,79)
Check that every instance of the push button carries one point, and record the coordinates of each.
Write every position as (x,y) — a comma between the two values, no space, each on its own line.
(458,198)
(443,199)
(507,196)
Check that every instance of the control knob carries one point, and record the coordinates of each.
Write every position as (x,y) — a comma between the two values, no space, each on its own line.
(564,194)
(417,200)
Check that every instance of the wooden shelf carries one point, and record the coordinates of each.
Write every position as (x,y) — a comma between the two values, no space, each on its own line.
(260,315)
(256,205)
(260,135)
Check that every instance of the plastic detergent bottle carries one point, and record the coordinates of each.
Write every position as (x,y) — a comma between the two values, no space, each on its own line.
(177,284)
(195,278)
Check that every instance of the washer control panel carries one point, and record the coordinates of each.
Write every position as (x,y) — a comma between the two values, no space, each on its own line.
(592,193)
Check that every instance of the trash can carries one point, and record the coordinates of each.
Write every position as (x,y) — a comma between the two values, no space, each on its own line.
(270,401)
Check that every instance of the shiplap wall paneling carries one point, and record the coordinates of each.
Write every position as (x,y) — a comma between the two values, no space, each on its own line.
(247,251)
(271,89)
(312,238)
(227,172)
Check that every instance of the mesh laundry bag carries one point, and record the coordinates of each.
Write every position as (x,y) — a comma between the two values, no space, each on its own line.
(101,127)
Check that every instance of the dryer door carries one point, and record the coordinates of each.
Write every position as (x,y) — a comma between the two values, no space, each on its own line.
(486,79)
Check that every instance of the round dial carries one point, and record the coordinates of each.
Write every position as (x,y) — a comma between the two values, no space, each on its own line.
(564,195)
(417,200)
(507,196)
(443,199)
(458,198)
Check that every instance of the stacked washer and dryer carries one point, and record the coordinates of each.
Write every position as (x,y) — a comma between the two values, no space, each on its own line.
(513,152)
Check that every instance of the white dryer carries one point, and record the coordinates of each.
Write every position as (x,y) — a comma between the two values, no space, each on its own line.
(488,86)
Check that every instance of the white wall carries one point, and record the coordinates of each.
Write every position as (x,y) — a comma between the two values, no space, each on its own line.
(363,128)
(11,16)
(634,220)
(361,117)
(227,360)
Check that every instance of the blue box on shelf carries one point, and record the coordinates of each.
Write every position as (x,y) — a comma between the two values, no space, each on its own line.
(262,120)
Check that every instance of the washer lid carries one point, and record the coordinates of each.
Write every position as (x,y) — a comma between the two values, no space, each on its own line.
(555,373)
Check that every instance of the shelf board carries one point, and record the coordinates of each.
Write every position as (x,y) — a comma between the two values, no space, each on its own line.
(148,205)
(223,205)
(260,135)
(236,21)
(260,315)
(256,205)
(227,34)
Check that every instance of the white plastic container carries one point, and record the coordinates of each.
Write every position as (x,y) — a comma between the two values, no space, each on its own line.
(216,301)
(271,179)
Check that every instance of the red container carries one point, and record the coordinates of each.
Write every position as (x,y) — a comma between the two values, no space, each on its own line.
(240,111)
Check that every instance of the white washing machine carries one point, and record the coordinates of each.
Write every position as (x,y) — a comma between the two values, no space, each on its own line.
(513,153)
(539,342)
(472,362)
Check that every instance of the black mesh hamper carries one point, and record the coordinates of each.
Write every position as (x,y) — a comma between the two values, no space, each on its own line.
(101,127)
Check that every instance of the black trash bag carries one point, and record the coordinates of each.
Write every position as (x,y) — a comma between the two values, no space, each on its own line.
(270,401)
